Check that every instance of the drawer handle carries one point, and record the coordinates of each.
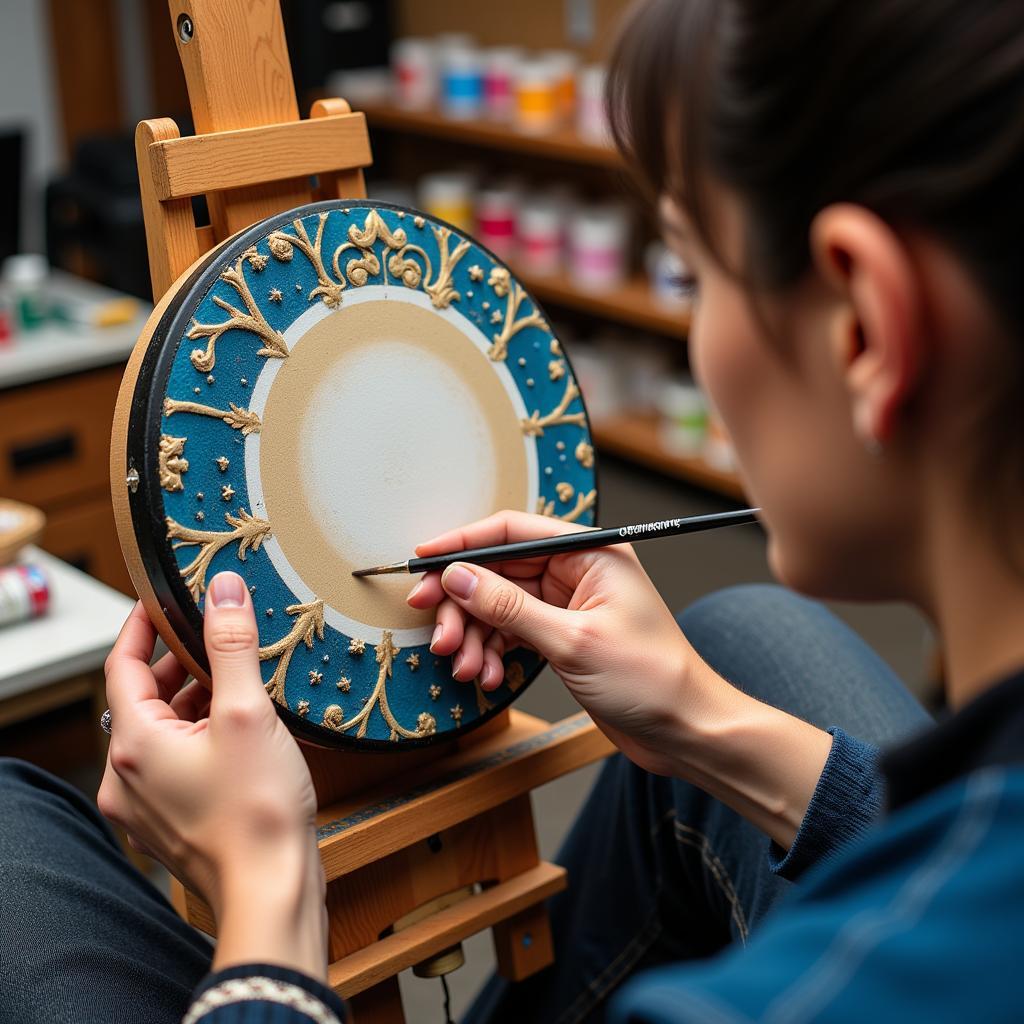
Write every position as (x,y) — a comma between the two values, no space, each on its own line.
(39,453)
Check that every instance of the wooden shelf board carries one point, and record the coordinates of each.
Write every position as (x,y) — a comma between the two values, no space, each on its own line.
(632,303)
(636,437)
(561,144)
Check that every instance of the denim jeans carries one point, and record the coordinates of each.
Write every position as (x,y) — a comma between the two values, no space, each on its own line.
(658,870)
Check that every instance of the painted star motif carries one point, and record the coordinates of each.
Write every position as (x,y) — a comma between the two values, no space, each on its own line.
(426,724)
(211,379)
(227,492)
(197,391)
(418,221)
(275,295)
(434,691)
(476,273)
(344,684)
(222,463)
(456,713)
(496,317)
(302,708)
(556,369)
(356,646)
(200,516)
(413,661)
(315,678)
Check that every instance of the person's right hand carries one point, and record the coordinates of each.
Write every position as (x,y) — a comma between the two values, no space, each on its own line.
(594,615)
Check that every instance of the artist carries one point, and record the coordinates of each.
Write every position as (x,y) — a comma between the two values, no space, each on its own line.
(847,181)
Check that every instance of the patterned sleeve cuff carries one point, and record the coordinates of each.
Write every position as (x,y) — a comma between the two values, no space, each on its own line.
(848,798)
(241,994)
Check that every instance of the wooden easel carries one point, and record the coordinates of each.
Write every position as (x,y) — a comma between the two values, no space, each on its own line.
(424,848)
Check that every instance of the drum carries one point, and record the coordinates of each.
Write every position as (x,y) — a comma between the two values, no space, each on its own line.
(319,394)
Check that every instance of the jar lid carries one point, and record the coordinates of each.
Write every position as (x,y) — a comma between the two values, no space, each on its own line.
(26,269)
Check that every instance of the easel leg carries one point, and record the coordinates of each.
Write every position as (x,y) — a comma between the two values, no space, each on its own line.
(381,1004)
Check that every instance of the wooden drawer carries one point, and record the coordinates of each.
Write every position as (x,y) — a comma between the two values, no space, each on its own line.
(55,437)
(84,535)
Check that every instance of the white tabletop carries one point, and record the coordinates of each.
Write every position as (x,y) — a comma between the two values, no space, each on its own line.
(74,636)
(56,349)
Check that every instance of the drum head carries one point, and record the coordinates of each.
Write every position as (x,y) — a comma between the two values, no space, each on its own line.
(325,391)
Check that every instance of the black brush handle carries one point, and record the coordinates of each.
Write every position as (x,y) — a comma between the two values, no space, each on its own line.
(584,540)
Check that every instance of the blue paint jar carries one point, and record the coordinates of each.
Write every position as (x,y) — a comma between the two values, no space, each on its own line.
(462,83)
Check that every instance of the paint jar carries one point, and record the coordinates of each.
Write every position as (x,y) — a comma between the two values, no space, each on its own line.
(24,593)
(668,274)
(564,65)
(541,231)
(414,73)
(500,63)
(496,219)
(462,82)
(596,377)
(598,239)
(536,96)
(448,196)
(395,192)
(25,277)
(684,417)
(591,112)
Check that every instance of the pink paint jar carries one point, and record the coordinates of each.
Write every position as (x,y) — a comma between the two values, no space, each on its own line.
(541,230)
(598,243)
(500,63)
(414,72)
(496,220)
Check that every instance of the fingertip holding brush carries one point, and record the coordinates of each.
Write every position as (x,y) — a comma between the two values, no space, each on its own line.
(584,540)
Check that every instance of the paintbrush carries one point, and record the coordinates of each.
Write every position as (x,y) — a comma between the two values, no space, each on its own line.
(584,540)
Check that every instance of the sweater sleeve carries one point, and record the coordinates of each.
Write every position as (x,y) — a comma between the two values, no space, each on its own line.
(257,993)
(848,798)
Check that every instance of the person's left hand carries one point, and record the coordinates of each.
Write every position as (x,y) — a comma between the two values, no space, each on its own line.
(214,787)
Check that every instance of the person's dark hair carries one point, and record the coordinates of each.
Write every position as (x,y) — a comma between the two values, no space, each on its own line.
(912,108)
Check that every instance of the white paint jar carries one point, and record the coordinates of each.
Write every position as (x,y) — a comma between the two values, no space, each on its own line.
(684,412)
(598,240)
(541,231)
(414,73)
(591,112)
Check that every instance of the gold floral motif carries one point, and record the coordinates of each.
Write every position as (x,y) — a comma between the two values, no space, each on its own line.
(585,454)
(512,326)
(556,347)
(515,676)
(476,273)
(565,491)
(238,419)
(535,425)
(283,246)
(248,532)
(344,684)
(302,708)
(434,691)
(385,656)
(315,678)
(356,646)
(584,502)
(440,290)
(171,463)
(309,623)
(274,345)
(413,661)
(426,724)
(456,713)
(500,280)
(556,369)
(227,492)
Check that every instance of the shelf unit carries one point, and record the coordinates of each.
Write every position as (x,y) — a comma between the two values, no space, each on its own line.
(633,303)
(636,437)
(563,144)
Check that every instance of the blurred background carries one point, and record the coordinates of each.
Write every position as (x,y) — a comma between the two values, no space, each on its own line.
(488,116)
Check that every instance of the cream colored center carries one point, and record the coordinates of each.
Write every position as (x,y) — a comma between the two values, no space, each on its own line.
(385,426)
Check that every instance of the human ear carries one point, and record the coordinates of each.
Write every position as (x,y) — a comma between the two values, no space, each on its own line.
(877,338)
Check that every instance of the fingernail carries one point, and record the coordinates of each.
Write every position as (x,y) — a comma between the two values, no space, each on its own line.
(415,590)
(487,675)
(456,665)
(227,590)
(459,581)
(436,638)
